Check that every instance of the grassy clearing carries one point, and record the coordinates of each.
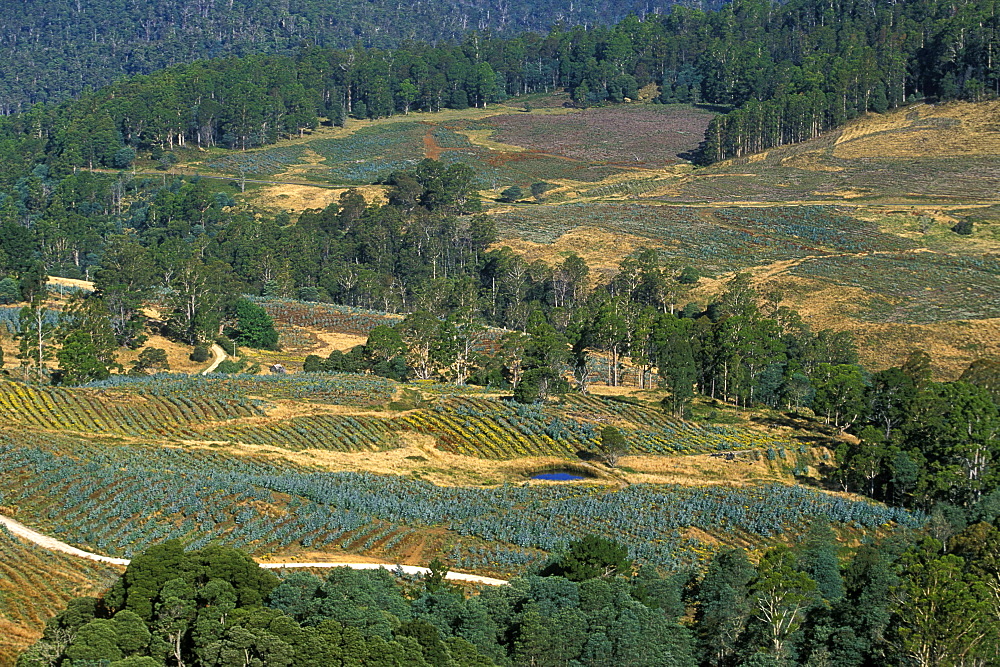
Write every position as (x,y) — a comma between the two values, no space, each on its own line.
(943,130)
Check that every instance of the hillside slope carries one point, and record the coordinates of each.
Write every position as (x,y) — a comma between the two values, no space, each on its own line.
(52,50)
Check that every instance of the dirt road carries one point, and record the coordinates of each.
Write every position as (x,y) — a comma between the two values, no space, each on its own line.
(52,544)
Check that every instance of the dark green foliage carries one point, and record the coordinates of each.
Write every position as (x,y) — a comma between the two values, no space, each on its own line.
(539,189)
(963,227)
(725,604)
(10,292)
(591,557)
(511,194)
(313,364)
(767,64)
(984,373)
(613,444)
(384,344)
(435,579)
(817,557)
(79,361)
(254,327)
(88,346)
(901,597)
(201,354)
(688,276)
(149,359)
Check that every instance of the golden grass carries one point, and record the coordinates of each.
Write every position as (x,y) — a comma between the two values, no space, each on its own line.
(703,469)
(297,198)
(952,345)
(70,282)
(942,130)
(482,138)
(178,355)
(601,249)
(808,161)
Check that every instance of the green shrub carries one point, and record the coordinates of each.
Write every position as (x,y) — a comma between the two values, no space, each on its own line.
(200,354)
(963,227)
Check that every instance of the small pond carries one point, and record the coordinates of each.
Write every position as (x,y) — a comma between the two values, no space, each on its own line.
(558,476)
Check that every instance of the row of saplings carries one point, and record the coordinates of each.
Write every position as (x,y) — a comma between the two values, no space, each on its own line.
(907,600)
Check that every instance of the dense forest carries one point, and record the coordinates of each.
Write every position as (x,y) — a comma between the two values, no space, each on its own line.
(588,606)
(51,50)
(788,72)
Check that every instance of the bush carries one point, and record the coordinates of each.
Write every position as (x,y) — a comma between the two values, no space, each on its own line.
(10,291)
(200,354)
(688,276)
(229,366)
(511,194)
(963,227)
(123,158)
(613,445)
(314,364)
(151,357)
(254,327)
(590,558)
(308,293)
(539,189)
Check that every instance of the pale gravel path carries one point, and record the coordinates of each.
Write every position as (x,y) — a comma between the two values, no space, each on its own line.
(52,544)
(220,356)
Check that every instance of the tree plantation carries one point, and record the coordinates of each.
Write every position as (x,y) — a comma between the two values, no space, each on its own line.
(672,329)
(587,606)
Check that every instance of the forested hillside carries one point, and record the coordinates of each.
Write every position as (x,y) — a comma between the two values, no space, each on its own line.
(789,72)
(807,605)
(52,50)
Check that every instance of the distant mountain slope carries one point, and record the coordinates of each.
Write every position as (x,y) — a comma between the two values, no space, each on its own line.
(51,49)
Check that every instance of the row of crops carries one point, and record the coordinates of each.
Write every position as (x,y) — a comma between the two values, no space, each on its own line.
(261,162)
(35,584)
(822,226)
(120,499)
(93,412)
(500,429)
(330,388)
(324,432)
(916,288)
(309,314)
(471,423)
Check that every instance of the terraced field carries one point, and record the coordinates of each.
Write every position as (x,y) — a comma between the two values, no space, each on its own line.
(117,499)
(34,585)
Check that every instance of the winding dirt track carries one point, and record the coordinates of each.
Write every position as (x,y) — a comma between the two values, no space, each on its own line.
(220,356)
(52,544)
